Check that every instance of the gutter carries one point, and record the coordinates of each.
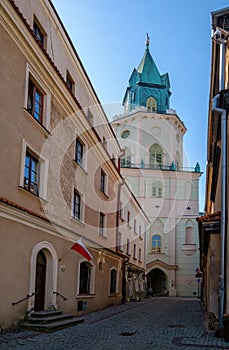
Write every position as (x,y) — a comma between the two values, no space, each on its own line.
(223,114)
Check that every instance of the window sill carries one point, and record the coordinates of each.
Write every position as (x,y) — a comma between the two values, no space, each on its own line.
(85,296)
(45,131)
(78,166)
(21,188)
(104,193)
(114,295)
(80,221)
(102,235)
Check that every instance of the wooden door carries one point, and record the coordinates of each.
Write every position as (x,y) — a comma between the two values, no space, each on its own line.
(40,282)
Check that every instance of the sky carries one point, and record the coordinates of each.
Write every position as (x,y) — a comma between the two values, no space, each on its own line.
(109,37)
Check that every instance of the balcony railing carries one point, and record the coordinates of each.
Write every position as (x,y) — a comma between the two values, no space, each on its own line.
(171,167)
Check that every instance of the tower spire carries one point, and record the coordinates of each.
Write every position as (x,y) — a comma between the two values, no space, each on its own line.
(147,41)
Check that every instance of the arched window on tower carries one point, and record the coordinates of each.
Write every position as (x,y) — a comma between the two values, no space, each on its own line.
(126,159)
(155,156)
(177,161)
(156,244)
(151,104)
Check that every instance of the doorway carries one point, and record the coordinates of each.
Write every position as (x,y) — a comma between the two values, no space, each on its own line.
(157,280)
(40,281)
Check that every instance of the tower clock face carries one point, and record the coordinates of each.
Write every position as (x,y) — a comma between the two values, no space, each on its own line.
(125,134)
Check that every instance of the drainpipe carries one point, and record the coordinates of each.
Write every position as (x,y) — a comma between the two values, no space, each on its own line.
(223,114)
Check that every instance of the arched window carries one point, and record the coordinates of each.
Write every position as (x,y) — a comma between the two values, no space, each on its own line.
(189,235)
(157,189)
(85,278)
(155,156)
(151,104)
(177,161)
(126,159)
(156,244)
(113,281)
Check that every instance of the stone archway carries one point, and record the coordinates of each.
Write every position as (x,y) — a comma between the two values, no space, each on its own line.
(158,281)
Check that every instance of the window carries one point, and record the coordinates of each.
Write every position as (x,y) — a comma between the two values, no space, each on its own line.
(151,104)
(134,255)
(128,217)
(128,247)
(70,82)
(125,134)
(126,159)
(101,223)
(155,156)
(77,205)
(85,278)
(113,281)
(31,174)
(121,211)
(139,255)
(135,225)
(157,189)
(103,181)
(39,32)
(79,152)
(120,241)
(189,235)
(35,101)
(140,231)
(156,244)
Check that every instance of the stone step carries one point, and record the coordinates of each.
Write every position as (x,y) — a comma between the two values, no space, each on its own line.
(51,327)
(49,321)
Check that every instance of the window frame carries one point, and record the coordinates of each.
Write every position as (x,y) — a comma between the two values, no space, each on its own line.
(70,82)
(79,154)
(113,285)
(39,32)
(90,279)
(43,170)
(102,224)
(76,194)
(41,86)
(157,249)
(32,173)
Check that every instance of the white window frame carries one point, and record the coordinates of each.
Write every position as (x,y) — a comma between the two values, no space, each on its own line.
(43,170)
(40,83)
(106,179)
(102,234)
(92,282)
(82,206)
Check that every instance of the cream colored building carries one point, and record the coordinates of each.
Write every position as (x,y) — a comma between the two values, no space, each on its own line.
(151,134)
(59,173)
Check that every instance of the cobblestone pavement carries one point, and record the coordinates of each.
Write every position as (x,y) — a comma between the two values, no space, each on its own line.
(154,323)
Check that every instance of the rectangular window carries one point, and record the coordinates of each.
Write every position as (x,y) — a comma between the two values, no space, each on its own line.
(128,217)
(121,211)
(120,241)
(102,181)
(31,174)
(77,206)
(140,255)
(35,101)
(128,247)
(79,152)
(135,225)
(134,255)
(70,82)
(140,231)
(101,223)
(39,32)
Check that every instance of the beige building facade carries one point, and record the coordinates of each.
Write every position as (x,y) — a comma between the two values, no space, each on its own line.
(60,179)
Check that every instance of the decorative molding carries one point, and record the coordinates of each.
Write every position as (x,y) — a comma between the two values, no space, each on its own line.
(160,263)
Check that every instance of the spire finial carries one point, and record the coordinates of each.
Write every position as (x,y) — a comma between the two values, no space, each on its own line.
(147,41)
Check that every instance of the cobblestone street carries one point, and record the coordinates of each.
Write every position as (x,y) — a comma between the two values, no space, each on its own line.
(154,323)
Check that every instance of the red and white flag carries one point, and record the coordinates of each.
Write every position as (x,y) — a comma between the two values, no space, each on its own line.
(80,248)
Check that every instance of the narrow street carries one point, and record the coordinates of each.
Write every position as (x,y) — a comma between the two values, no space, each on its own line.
(154,323)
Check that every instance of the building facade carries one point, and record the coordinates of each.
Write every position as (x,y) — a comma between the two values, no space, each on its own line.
(151,134)
(60,179)
(213,226)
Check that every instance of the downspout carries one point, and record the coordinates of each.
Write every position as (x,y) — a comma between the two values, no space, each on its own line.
(223,114)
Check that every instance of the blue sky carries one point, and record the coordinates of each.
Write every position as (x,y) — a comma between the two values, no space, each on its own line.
(109,37)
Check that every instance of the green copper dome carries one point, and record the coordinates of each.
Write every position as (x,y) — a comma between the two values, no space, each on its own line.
(147,87)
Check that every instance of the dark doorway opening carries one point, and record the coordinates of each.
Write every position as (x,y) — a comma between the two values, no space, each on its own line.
(40,281)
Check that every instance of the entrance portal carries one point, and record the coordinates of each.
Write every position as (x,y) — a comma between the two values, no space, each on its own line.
(157,280)
(40,282)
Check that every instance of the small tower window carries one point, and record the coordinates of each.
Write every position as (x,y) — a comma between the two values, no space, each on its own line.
(151,104)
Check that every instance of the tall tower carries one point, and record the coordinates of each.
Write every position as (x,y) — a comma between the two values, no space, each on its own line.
(151,134)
